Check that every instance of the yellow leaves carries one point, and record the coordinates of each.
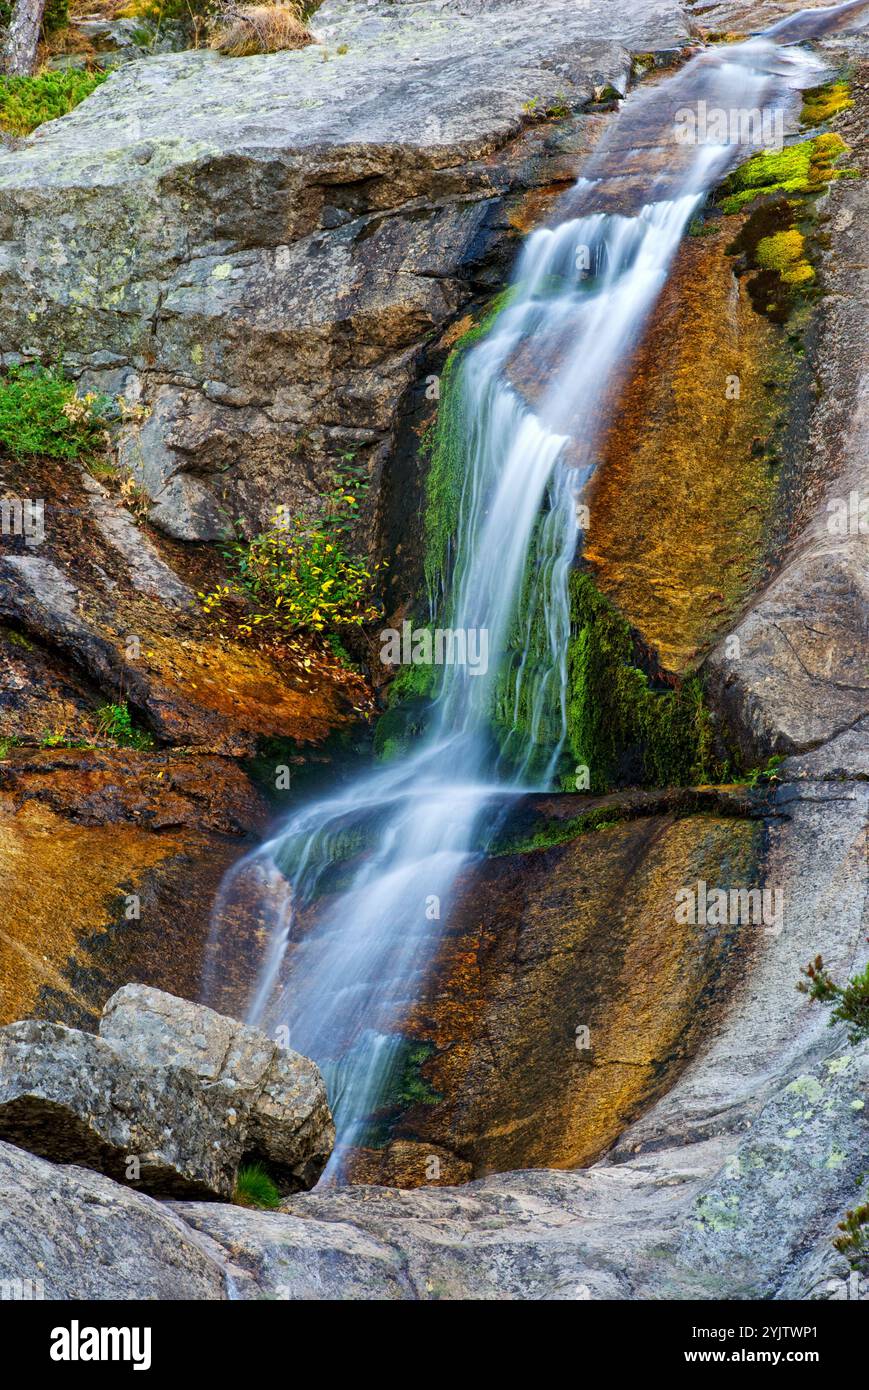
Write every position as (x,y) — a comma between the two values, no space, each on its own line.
(297,576)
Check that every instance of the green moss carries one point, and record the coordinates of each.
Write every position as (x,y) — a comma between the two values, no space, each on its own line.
(798,170)
(526,709)
(785,253)
(401,726)
(410,1086)
(821,104)
(556,832)
(619,726)
(26,102)
(447,447)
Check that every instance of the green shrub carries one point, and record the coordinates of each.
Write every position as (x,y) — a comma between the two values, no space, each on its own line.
(301,574)
(116,722)
(297,575)
(41,414)
(851,1000)
(26,102)
(254,1188)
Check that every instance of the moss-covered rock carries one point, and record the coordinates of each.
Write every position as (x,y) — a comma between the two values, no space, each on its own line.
(620,726)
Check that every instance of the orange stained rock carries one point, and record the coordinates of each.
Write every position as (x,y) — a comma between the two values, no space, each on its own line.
(545,943)
(64,942)
(683,491)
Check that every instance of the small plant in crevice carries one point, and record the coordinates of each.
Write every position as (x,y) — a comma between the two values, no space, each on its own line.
(850,1001)
(850,1006)
(765,776)
(255,1188)
(115,722)
(60,737)
(854,1240)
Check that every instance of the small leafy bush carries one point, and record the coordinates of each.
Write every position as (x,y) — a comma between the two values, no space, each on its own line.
(116,722)
(26,102)
(41,414)
(301,574)
(298,575)
(254,1188)
(854,1240)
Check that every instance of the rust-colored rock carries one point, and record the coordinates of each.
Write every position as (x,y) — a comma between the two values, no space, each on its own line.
(683,493)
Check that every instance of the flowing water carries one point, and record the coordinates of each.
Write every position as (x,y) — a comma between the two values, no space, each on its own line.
(342,968)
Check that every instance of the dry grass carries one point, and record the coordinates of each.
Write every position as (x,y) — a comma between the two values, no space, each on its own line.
(260,29)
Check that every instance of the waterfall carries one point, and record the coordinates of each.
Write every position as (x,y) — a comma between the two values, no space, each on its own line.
(343,965)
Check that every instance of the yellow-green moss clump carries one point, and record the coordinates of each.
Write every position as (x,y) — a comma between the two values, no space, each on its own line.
(785,252)
(821,104)
(799,170)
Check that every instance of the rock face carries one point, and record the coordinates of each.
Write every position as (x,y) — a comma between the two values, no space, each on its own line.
(256,250)
(71,1233)
(153,828)
(566,995)
(170,1097)
(798,677)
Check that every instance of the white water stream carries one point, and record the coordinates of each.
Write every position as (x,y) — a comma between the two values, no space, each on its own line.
(583,289)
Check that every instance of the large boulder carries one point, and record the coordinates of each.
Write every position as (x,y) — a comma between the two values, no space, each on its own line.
(257,250)
(287,1118)
(170,1098)
(70,1233)
(69,1097)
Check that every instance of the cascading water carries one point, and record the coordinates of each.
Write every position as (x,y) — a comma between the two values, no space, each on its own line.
(343,979)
